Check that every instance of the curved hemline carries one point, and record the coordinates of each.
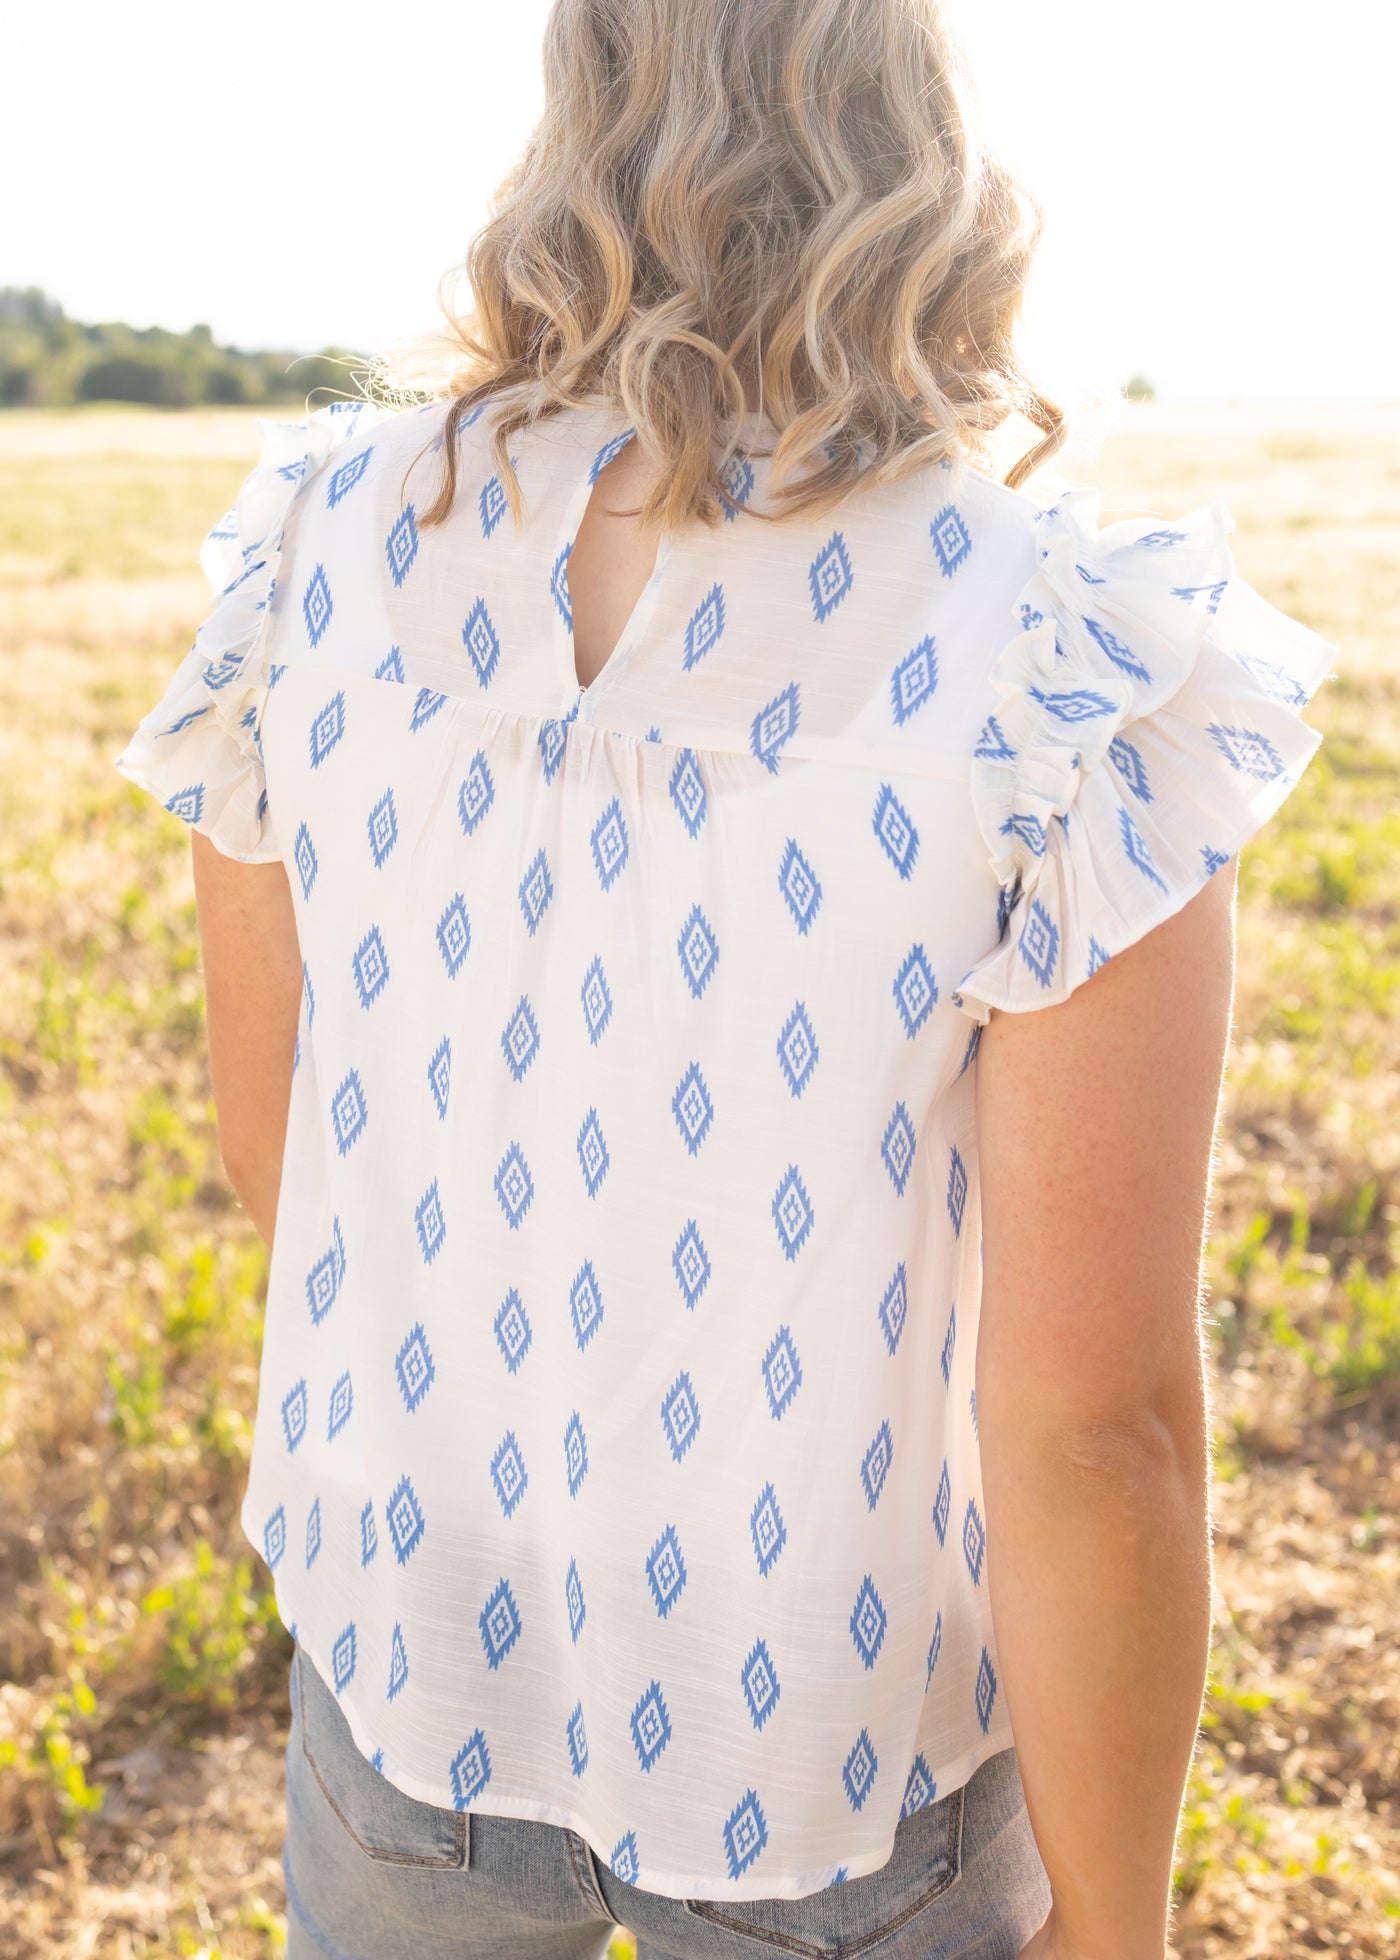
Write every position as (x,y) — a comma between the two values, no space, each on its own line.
(672,1885)
(1251,823)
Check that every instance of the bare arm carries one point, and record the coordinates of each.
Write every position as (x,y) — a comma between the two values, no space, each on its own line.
(252,984)
(1097,1119)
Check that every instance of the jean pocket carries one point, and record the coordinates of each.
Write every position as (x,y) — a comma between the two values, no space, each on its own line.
(842,1921)
(386,1824)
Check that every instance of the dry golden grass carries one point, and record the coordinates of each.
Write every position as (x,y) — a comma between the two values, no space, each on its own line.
(143,1704)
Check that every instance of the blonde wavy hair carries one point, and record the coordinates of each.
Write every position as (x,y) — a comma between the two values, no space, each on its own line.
(739,207)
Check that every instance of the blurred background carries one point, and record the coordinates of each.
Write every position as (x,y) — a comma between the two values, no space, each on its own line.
(205,211)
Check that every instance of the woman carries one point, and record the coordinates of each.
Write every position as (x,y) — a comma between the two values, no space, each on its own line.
(733,1437)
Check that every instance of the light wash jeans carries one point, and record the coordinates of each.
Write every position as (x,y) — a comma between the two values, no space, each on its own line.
(375,1875)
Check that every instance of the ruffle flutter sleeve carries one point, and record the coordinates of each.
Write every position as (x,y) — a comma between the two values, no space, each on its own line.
(199,749)
(1147,723)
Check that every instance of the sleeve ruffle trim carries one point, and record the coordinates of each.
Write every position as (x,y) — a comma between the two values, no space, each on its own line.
(1147,724)
(199,749)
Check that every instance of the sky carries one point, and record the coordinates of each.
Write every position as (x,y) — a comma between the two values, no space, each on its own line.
(1219,177)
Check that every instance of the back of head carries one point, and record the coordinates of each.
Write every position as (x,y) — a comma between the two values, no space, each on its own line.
(772,208)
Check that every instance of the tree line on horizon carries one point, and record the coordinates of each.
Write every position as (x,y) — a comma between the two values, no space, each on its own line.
(50,361)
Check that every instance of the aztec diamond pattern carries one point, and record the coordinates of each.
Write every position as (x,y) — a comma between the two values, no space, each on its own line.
(597,1001)
(797,1049)
(303,856)
(512,1329)
(327,728)
(894,1307)
(536,890)
(371,967)
(974,1541)
(577,1740)
(665,1569)
(406,1521)
(985,1692)
(1127,760)
(369,1536)
(745,1833)
(919,1790)
(401,545)
(952,541)
(680,1415)
(1039,942)
(699,951)
(592,1149)
(349,1112)
(623,1861)
(950,1342)
(413,1367)
(1118,651)
(520,1043)
(706,626)
(942,1504)
(691,1264)
(454,935)
(426,703)
(575,1453)
(479,638)
(792,1212)
(782,1372)
(875,1465)
(559,587)
(760,1683)
(859,1772)
(895,829)
(398,1663)
(897,1148)
(440,1075)
(1072,704)
(313,1533)
(500,1624)
(574,1602)
(477,794)
(432,1227)
(799,885)
(390,667)
(651,1725)
(342,1407)
(514,1185)
(830,576)
(317,606)
(383,827)
(585,1304)
(737,477)
(491,505)
(343,1657)
(767,1529)
(610,844)
(1247,750)
(774,727)
(508,1473)
(1138,854)
(957,1189)
(915,990)
(687,788)
(275,1537)
(914,680)
(869,1621)
(470,1772)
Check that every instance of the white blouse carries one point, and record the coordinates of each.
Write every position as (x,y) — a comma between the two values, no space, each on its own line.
(616,1458)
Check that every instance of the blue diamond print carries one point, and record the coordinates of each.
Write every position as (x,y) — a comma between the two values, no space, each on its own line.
(950,1339)
(383,827)
(514,1185)
(915,990)
(454,935)
(508,1472)
(500,1624)
(369,1536)
(974,1541)
(1073,704)
(691,1264)
(592,1149)
(432,1226)
(623,1861)
(342,1407)
(440,1074)
(597,1001)
(875,1464)
(1246,750)
(914,680)
(792,1212)
(688,791)
(745,1833)
(985,1693)
(897,1148)
(859,1772)
(992,745)
(323,1280)
(957,1189)
(585,1304)
(1214,860)
(398,1663)
(390,667)
(470,1772)
(680,1415)
(1274,679)
(665,1570)
(551,742)
(613,447)
(797,1049)
(895,829)
(1118,651)
(737,478)
(304,855)
(782,1371)
(942,1504)
(492,505)
(774,726)
(610,844)
(651,1725)
(760,1683)
(349,1113)
(575,1453)
(935,1647)
(327,728)
(1098,956)
(406,1521)
(692,1108)
(313,1533)
(699,951)
(188,805)
(573,1601)
(919,1791)
(1129,764)
(799,886)
(830,576)
(521,1040)
(767,1530)
(371,966)
(577,1740)
(316,605)
(1138,854)
(479,638)
(275,1537)
(1039,942)
(706,626)
(343,1657)
(868,1621)
(1029,829)
(401,545)
(513,1330)
(426,703)
(536,890)
(477,794)
(1213,594)
(894,1307)
(413,1365)
(559,586)
(951,539)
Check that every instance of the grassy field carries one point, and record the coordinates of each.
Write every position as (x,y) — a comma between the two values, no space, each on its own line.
(142,1674)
